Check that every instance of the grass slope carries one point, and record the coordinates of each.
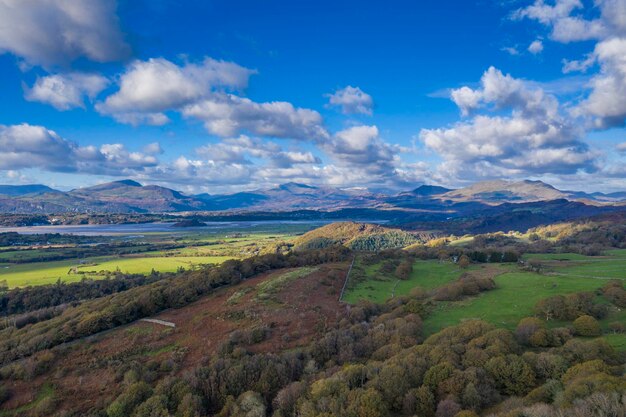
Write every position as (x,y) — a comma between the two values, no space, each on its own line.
(40,273)
(379,288)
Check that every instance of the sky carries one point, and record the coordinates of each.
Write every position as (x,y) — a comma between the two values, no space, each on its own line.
(221,96)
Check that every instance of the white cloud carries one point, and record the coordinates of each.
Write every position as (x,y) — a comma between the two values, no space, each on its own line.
(565,28)
(239,151)
(533,139)
(153,148)
(23,146)
(227,115)
(66,91)
(511,50)
(361,147)
(149,88)
(606,103)
(28,146)
(607,100)
(536,47)
(352,100)
(56,32)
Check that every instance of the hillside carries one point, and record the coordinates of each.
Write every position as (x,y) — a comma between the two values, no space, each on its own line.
(357,236)
(249,316)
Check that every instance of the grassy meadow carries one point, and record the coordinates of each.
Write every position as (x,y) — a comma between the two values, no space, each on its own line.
(516,293)
(379,287)
(193,249)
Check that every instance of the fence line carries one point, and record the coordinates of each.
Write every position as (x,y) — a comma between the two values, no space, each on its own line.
(343,289)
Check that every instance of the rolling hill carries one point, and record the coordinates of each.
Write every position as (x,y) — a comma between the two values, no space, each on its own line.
(358,236)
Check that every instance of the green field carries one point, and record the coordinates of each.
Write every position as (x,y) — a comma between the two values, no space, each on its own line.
(182,249)
(514,298)
(516,294)
(40,273)
(378,287)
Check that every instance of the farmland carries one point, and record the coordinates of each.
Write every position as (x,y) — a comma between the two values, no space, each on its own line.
(139,254)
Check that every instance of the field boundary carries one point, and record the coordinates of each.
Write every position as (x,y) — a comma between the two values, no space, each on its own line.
(345,283)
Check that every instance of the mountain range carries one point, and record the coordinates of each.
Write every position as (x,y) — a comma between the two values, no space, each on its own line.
(129,196)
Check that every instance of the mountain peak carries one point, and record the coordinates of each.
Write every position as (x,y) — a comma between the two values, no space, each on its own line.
(428,190)
(130,183)
(507,191)
(292,186)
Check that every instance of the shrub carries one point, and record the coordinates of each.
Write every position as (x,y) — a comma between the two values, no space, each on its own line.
(587,326)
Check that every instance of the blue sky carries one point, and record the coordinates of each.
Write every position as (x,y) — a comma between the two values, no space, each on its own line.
(218,96)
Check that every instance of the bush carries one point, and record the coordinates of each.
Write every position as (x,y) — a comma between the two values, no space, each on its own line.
(587,326)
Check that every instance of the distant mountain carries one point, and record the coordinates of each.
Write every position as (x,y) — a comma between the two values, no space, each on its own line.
(231,201)
(137,197)
(128,196)
(294,196)
(20,190)
(506,191)
(430,190)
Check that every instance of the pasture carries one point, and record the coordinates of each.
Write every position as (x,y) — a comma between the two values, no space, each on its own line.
(516,293)
(379,287)
(183,249)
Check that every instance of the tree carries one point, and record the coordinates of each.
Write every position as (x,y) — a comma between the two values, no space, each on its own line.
(134,395)
(154,407)
(367,403)
(526,328)
(464,261)
(404,269)
(587,326)
(512,374)
(471,397)
(425,402)
(550,307)
(447,408)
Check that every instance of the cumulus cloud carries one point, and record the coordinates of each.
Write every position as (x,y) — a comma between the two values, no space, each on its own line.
(534,138)
(565,27)
(66,91)
(56,32)
(239,150)
(227,115)
(149,88)
(204,91)
(362,148)
(352,100)
(28,146)
(606,103)
(607,100)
